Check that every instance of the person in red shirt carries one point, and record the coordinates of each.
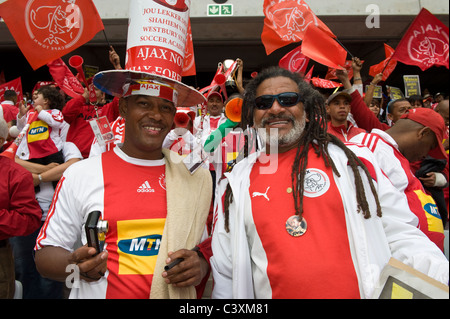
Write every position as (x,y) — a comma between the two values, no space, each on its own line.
(20,214)
(78,112)
(8,108)
(304,217)
(146,194)
(338,108)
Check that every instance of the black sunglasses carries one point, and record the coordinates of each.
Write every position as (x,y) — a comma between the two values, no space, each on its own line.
(286,99)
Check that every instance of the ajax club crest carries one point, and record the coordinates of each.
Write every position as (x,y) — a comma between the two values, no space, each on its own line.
(54,25)
(428,44)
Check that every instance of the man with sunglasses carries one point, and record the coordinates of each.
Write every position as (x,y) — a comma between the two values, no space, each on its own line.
(322,224)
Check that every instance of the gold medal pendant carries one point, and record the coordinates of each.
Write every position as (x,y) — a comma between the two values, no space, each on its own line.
(296,226)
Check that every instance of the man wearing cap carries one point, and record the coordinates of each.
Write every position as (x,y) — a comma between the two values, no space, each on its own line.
(204,127)
(338,108)
(215,115)
(417,133)
(155,208)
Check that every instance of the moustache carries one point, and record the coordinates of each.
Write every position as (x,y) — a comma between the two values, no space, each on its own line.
(290,118)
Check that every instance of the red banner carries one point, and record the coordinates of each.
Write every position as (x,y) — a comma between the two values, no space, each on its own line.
(189,57)
(308,75)
(425,43)
(326,84)
(286,21)
(49,29)
(64,78)
(386,66)
(295,61)
(15,85)
(319,46)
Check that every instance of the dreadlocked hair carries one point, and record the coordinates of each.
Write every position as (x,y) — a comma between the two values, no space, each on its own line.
(314,135)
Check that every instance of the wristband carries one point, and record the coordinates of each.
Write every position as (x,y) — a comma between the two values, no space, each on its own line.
(357,79)
(40,178)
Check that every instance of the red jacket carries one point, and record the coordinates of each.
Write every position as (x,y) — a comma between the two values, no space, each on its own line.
(78,114)
(344,133)
(363,116)
(20,213)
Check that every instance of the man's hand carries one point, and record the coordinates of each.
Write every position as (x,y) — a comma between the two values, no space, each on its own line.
(91,267)
(356,64)
(114,58)
(342,75)
(188,272)
(429,180)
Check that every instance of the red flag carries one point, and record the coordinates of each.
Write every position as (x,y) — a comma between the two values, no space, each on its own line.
(15,85)
(189,58)
(64,78)
(322,48)
(286,21)
(386,66)
(48,29)
(295,61)
(308,75)
(331,73)
(326,84)
(425,43)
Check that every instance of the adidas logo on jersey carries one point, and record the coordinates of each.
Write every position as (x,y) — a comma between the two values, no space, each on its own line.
(145,188)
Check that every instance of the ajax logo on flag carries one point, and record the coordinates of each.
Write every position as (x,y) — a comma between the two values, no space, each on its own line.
(55,27)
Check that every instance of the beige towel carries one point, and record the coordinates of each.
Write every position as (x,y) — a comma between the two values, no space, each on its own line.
(188,203)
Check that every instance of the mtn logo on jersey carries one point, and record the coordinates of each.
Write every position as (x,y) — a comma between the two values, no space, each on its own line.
(431,211)
(141,246)
(145,188)
(137,249)
(38,131)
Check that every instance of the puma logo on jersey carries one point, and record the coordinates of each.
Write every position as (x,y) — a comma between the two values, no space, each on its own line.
(262,194)
(145,188)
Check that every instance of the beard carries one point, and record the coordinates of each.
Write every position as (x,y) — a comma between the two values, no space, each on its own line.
(272,137)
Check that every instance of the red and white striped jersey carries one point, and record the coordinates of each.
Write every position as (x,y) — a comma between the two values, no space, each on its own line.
(133,201)
(397,168)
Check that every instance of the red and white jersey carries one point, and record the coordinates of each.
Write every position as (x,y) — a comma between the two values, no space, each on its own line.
(241,253)
(397,169)
(45,136)
(133,201)
(8,111)
(46,190)
(272,205)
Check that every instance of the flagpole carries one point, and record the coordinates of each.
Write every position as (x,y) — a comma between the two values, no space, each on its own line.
(344,47)
(109,45)
(390,58)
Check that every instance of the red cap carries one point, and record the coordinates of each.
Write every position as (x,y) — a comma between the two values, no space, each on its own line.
(430,118)
(215,93)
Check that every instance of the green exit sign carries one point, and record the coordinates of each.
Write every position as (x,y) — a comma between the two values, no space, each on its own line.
(220,10)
